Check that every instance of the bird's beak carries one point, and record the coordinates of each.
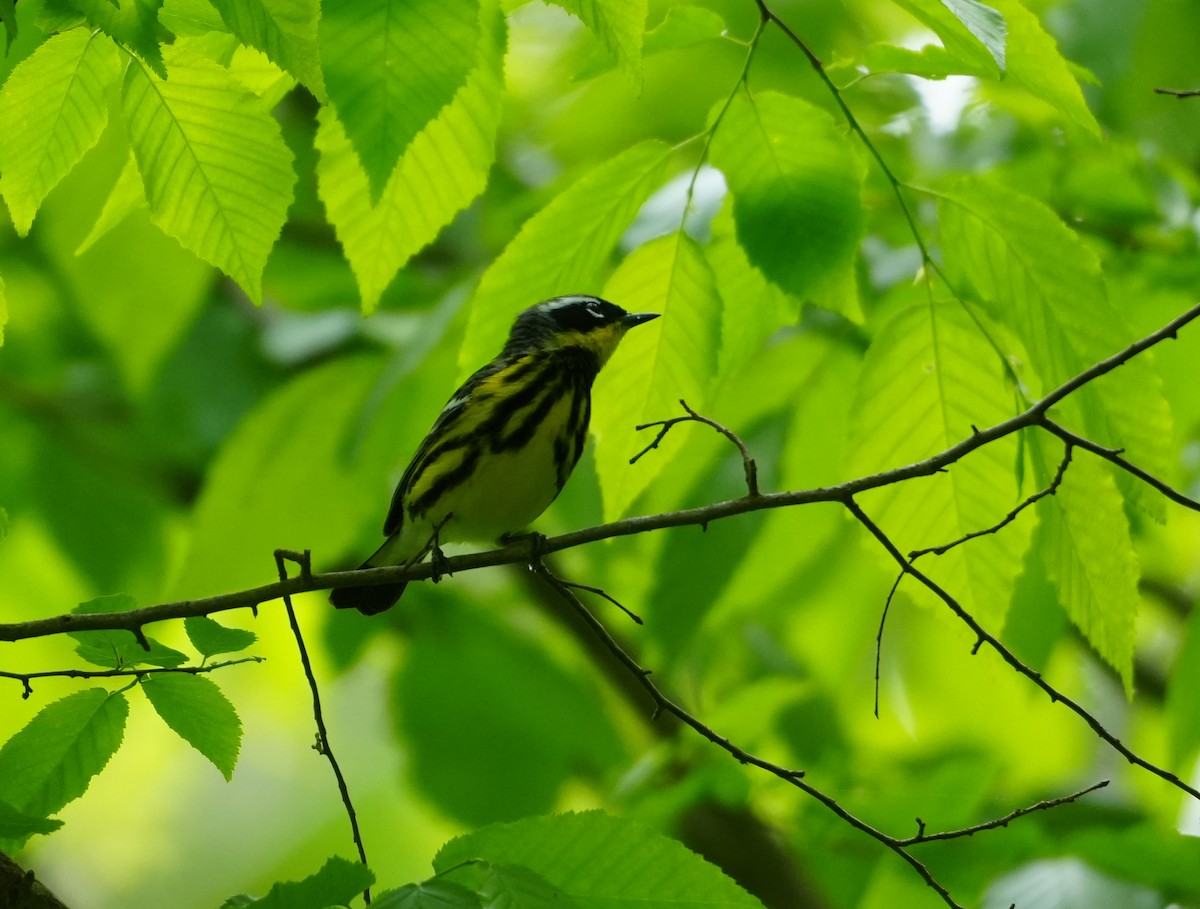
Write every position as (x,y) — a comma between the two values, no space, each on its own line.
(631,319)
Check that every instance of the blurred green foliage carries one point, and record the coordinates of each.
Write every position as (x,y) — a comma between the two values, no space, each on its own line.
(250,248)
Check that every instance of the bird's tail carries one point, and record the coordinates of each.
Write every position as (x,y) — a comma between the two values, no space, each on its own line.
(374,598)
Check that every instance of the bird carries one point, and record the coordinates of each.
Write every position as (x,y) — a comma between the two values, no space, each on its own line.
(504,445)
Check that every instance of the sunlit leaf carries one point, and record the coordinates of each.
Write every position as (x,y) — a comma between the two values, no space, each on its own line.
(200,714)
(53,108)
(437,893)
(284,30)
(928,378)
(1089,556)
(217,173)
(1035,275)
(591,856)
(458,145)
(563,248)
(668,359)
(619,24)
(390,66)
(52,760)
(796,184)
(970,30)
(126,197)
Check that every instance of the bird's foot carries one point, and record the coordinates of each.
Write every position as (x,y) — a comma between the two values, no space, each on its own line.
(536,542)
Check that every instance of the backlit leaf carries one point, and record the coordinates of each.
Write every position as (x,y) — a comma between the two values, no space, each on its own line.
(284,30)
(619,24)
(195,708)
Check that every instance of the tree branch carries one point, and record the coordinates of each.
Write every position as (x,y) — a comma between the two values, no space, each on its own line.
(25,678)
(525,549)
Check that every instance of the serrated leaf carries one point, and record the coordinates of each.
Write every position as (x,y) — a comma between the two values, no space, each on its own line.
(133,24)
(562,248)
(619,24)
(200,714)
(284,30)
(217,173)
(1036,65)
(929,376)
(337,883)
(119,649)
(517,887)
(211,638)
(432,894)
(672,358)
(459,145)
(1089,555)
(54,109)
(390,66)
(18,826)
(796,182)
(53,759)
(970,30)
(591,856)
(189,18)
(126,197)
(1035,275)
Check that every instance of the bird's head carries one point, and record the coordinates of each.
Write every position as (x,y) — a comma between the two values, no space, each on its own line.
(576,320)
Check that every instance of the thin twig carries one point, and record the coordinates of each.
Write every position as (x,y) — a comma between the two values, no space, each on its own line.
(1044,805)
(887,605)
(25,678)
(664,704)
(522,550)
(1180,93)
(985,637)
(304,560)
(599,591)
(749,466)
(1008,518)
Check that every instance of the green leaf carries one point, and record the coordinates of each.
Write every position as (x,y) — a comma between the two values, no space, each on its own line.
(619,24)
(482,750)
(18,826)
(254,499)
(1036,65)
(3,309)
(284,30)
(930,62)
(195,708)
(562,248)
(133,24)
(119,649)
(189,18)
(796,182)
(1037,277)
(211,638)
(437,893)
(390,66)
(53,759)
(1183,707)
(8,12)
(337,883)
(126,197)
(672,358)
(459,145)
(592,856)
(929,376)
(54,109)
(1089,555)
(683,26)
(1067,883)
(217,173)
(513,886)
(970,30)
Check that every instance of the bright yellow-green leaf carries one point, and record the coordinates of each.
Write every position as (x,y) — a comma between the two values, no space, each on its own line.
(671,358)
(971,31)
(458,145)
(928,378)
(284,30)
(563,248)
(126,196)
(619,24)
(796,183)
(53,108)
(131,23)
(1089,554)
(3,309)
(1034,274)
(217,173)
(390,66)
